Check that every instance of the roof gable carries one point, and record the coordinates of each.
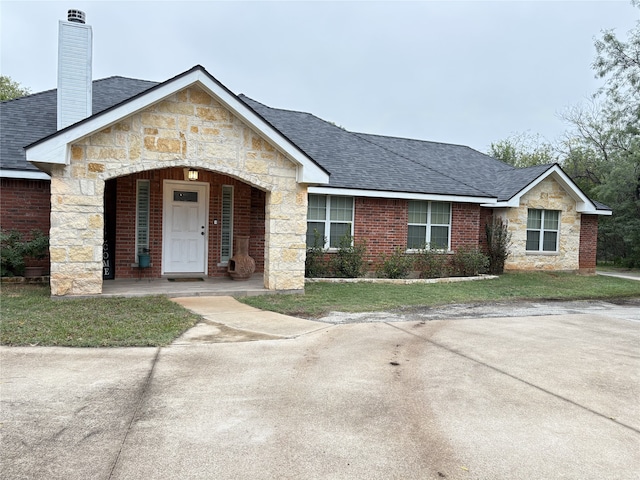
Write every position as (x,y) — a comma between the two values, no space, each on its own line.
(54,149)
(523,180)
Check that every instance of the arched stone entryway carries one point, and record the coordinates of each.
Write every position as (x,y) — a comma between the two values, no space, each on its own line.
(187,129)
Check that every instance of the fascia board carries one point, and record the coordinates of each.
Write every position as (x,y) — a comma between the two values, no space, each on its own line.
(24,175)
(352,192)
(54,150)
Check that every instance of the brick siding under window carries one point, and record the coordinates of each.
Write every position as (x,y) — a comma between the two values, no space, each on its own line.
(26,205)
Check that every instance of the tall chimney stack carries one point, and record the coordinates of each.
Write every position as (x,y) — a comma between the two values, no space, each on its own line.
(75,40)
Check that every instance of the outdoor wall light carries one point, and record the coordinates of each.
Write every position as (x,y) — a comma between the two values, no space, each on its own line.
(193,174)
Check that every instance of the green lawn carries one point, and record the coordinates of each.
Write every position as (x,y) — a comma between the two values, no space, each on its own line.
(30,317)
(321,298)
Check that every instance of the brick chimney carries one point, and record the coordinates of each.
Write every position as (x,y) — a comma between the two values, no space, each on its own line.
(75,40)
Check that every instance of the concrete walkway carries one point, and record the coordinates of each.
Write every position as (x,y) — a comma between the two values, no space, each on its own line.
(227,320)
(630,275)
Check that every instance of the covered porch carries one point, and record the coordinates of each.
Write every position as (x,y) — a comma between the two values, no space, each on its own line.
(185,287)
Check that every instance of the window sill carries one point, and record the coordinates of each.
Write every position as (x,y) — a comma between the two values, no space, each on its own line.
(544,254)
(416,251)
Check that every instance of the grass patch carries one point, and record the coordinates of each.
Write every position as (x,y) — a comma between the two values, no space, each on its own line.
(322,298)
(30,317)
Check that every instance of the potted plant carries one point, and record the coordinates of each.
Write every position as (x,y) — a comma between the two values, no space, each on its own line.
(33,250)
(144,258)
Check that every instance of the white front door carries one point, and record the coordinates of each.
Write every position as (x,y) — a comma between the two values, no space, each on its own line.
(185,226)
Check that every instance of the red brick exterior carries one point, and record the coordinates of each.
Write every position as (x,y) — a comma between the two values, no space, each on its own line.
(26,205)
(588,243)
(248,219)
(465,225)
(486,216)
(380,222)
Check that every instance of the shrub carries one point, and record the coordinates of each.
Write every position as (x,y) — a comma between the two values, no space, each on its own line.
(315,265)
(398,265)
(431,263)
(468,261)
(498,243)
(14,250)
(349,259)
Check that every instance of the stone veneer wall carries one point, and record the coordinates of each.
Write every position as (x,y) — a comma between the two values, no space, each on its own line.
(548,195)
(190,129)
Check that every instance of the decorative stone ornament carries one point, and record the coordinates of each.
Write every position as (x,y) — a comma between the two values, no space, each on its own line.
(241,265)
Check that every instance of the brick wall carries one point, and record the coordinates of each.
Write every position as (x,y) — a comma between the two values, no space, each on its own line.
(26,205)
(249,217)
(465,225)
(382,224)
(588,243)
(486,216)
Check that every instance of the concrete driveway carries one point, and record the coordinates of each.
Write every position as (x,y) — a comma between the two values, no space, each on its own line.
(549,396)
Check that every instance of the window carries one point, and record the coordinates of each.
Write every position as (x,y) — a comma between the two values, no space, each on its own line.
(226,226)
(542,230)
(332,217)
(142,216)
(429,224)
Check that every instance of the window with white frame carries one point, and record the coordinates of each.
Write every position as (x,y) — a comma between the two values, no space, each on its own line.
(331,217)
(543,228)
(142,216)
(429,225)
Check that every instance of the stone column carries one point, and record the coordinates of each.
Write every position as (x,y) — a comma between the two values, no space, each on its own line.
(285,238)
(76,234)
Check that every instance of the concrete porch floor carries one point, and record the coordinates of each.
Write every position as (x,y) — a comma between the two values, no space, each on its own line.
(210,286)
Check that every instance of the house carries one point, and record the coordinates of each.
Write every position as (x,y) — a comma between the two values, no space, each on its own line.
(120,167)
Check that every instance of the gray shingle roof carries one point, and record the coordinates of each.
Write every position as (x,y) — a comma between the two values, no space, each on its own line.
(366,162)
(27,119)
(354,160)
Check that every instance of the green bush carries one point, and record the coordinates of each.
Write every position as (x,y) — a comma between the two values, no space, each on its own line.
(14,251)
(431,263)
(349,259)
(468,261)
(12,259)
(398,265)
(315,265)
(498,243)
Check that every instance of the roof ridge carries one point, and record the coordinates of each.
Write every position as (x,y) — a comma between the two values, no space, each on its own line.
(124,78)
(282,109)
(360,135)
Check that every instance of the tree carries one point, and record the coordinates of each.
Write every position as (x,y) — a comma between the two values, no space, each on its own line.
(523,150)
(10,89)
(603,146)
(618,62)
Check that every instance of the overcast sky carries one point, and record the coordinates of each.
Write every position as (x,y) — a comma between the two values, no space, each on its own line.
(469,73)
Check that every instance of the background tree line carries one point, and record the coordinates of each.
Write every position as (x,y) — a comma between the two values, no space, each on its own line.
(600,150)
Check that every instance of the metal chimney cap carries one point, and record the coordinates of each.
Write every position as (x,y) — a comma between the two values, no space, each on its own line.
(76,16)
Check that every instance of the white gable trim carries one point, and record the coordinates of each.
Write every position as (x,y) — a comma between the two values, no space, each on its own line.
(56,149)
(583,204)
(353,192)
